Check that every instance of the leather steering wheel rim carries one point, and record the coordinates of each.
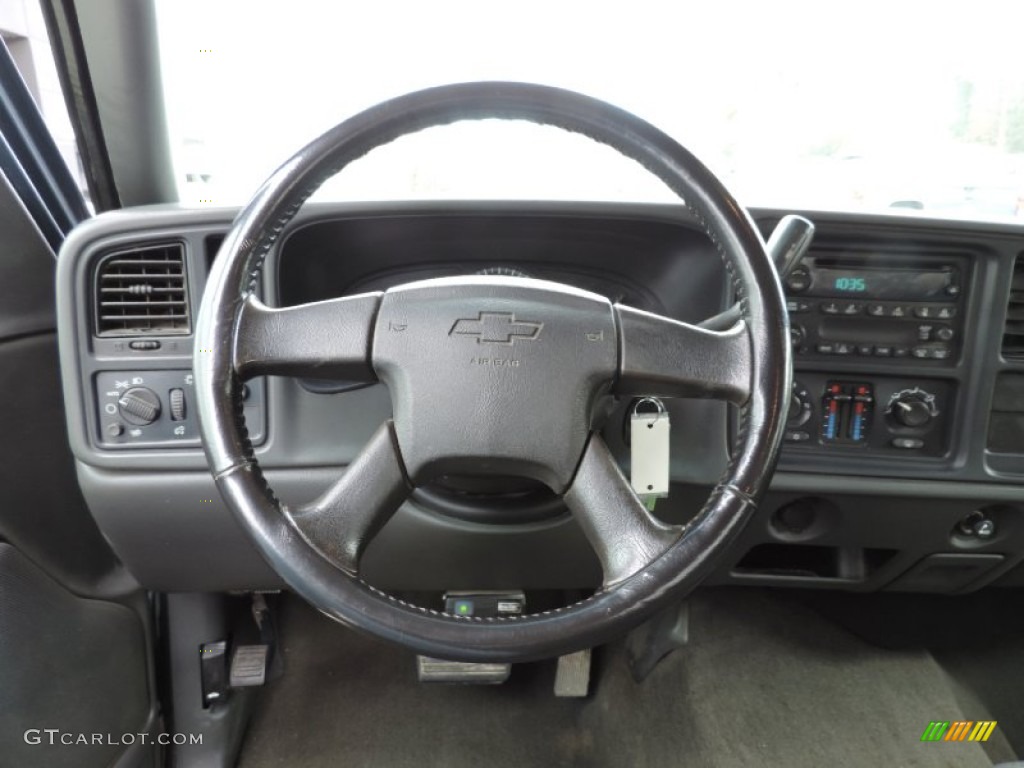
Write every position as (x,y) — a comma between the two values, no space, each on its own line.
(237,337)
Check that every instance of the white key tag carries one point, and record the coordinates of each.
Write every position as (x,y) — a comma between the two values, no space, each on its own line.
(649,443)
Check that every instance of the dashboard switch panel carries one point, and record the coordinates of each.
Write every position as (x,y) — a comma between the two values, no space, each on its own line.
(139,409)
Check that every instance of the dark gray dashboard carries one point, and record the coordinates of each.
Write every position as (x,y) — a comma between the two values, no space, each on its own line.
(875,503)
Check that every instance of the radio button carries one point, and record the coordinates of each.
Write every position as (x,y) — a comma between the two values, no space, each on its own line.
(883,351)
(853,309)
(865,349)
(944,334)
(900,351)
(952,290)
(799,280)
(924,332)
(825,349)
(844,349)
(898,311)
(940,353)
(921,353)
(829,308)
(876,310)
(945,313)
(924,312)
(794,306)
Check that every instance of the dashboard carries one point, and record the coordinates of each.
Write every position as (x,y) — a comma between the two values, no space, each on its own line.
(903,457)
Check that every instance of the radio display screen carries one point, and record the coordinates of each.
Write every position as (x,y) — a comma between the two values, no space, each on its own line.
(874,283)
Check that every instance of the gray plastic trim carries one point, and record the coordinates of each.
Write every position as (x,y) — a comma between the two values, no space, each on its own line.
(320,433)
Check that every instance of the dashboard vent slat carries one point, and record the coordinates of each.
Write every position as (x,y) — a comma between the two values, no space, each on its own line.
(1013,330)
(142,290)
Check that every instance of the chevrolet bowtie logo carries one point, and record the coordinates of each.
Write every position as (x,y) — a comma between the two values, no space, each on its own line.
(496,328)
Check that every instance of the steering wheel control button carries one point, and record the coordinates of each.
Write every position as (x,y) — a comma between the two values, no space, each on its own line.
(139,406)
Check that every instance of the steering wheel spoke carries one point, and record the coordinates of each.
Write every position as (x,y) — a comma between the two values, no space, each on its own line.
(623,533)
(662,356)
(346,517)
(325,339)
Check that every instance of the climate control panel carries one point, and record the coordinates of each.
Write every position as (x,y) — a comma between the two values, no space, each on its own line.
(157,408)
(877,414)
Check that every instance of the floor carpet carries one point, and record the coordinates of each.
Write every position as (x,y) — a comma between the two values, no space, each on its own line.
(764,681)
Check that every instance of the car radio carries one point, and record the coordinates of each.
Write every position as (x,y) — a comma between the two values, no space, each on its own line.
(876,305)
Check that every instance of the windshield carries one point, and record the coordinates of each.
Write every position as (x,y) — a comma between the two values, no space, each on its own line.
(810,105)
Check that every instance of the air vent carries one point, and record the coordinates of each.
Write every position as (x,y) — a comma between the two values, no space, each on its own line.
(1013,332)
(142,291)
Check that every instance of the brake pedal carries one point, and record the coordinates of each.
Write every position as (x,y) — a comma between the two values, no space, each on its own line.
(249,666)
(430,670)
(483,604)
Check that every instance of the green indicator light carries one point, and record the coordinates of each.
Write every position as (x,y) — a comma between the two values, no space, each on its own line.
(464,608)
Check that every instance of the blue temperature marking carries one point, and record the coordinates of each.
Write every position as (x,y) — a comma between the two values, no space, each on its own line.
(858,420)
(830,429)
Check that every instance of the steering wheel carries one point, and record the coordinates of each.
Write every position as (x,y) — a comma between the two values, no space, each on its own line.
(492,375)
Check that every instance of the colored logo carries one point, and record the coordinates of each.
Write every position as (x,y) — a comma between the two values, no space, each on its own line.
(958,730)
(497,328)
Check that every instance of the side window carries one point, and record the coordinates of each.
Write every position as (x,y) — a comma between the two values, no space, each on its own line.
(24,33)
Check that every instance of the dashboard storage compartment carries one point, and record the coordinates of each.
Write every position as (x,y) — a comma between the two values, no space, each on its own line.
(813,563)
(947,572)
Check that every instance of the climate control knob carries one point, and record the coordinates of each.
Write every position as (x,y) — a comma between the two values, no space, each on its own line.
(800,407)
(913,408)
(796,335)
(139,406)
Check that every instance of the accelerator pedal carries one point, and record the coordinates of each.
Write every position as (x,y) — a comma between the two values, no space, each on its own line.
(572,678)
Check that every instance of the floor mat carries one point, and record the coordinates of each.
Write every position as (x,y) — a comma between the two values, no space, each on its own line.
(765,681)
